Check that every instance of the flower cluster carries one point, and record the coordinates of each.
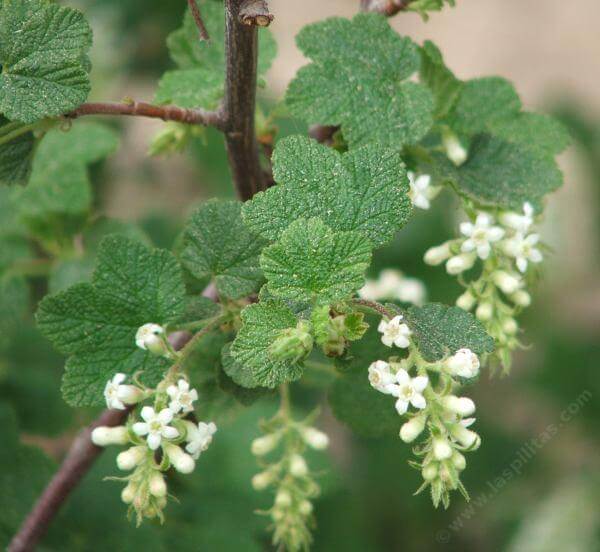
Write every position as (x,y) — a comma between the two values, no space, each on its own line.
(430,403)
(392,284)
(421,191)
(290,476)
(162,437)
(507,249)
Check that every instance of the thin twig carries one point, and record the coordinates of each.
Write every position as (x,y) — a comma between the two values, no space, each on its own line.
(142,109)
(195,10)
(241,53)
(373,306)
(255,12)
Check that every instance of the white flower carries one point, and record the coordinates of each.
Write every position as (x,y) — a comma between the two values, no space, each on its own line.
(182,397)
(519,222)
(104,435)
(523,249)
(463,363)
(392,284)
(149,337)
(118,395)
(381,377)
(409,391)
(156,426)
(508,283)
(394,332)
(199,437)
(421,192)
(480,235)
(412,291)
(460,263)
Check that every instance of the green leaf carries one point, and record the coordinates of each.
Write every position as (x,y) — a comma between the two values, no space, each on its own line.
(500,173)
(95,324)
(482,104)
(441,81)
(363,190)
(262,325)
(15,155)
(218,245)
(199,82)
(357,80)
(14,305)
(422,7)
(311,262)
(353,400)
(59,194)
(43,53)
(236,380)
(440,330)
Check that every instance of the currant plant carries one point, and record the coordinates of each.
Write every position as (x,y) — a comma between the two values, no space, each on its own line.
(258,292)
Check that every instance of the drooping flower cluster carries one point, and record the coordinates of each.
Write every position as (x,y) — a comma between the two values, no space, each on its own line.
(290,476)
(392,284)
(430,403)
(507,249)
(163,436)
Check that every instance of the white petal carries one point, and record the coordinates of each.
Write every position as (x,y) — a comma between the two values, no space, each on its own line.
(467,246)
(483,250)
(402,342)
(183,385)
(140,428)
(169,432)
(466,228)
(532,239)
(528,209)
(401,406)
(495,233)
(419,383)
(418,401)
(387,340)
(119,378)
(423,181)
(194,395)
(467,422)
(148,413)
(154,440)
(483,220)
(402,376)
(522,264)
(421,202)
(536,256)
(175,406)
(165,415)
(172,391)
(382,326)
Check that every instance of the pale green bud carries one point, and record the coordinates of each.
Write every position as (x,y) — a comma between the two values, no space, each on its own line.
(292,344)
(466,301)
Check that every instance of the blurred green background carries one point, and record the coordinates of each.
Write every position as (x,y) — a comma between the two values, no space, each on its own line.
(534,483)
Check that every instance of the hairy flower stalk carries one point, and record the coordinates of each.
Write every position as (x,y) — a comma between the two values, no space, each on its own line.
(505,251)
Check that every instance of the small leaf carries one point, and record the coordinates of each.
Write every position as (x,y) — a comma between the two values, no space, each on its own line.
(95,324)
(356,80)
(232,373)
(43,53)
(363,190)
(311,262)
(218,245)
(262,325)
(439,331)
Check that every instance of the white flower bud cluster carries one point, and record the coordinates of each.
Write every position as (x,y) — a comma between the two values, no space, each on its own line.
(445,415)
(160,427)
(507,250)
(290,476)
(392,284)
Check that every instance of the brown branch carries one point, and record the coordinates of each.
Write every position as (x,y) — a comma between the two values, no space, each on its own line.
(385,7)
(241,52)
(142,109)
(255,12)
(195,10)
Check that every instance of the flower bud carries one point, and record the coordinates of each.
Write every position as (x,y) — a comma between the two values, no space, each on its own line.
(128,493)
(464,363)
(509,326)
(305,508)
(181,461)
(460,263)
(454,149)
(130,458)
(298,467)
(521,298)
(484,311)
(157,486)
(413,428)
(262,480)
(430,471)
(467,438)
(283,499)
(263,445)
(508,283)
(437,255)
(129,394)
(441,448)
(103,436)
(292,344)
(458,460)
(463,406)
(277,515)
(150,337)
(314,438)
(466,301)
